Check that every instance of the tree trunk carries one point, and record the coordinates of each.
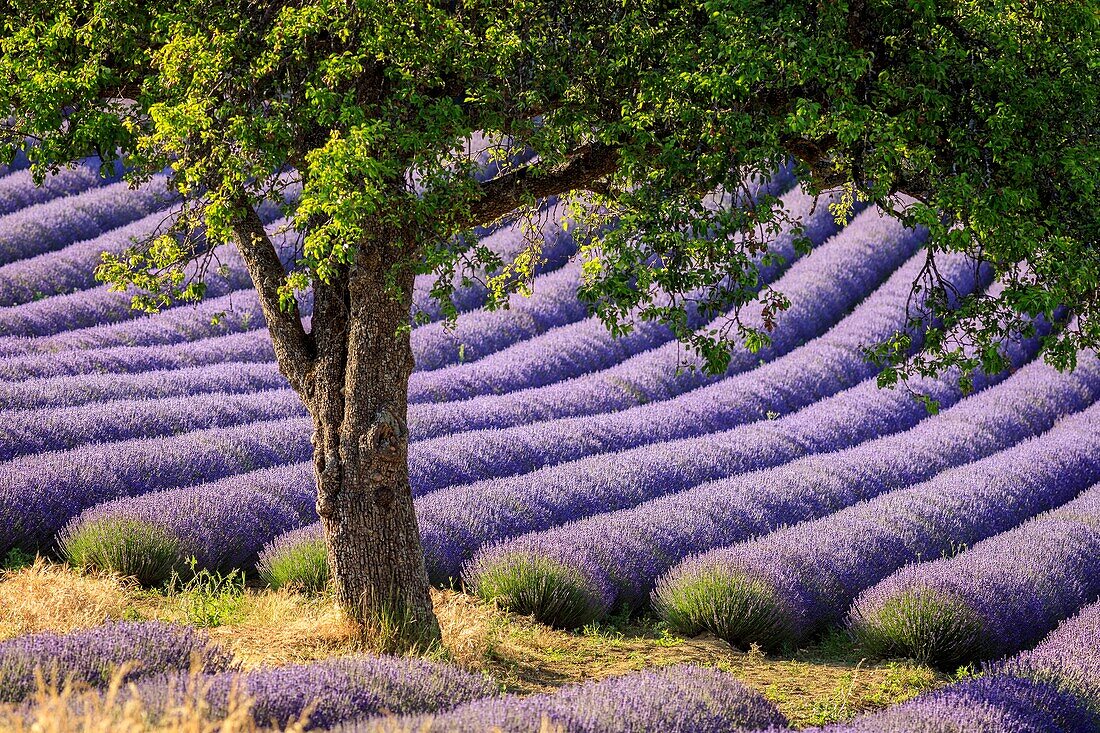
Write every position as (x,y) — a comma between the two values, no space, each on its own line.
(358,402)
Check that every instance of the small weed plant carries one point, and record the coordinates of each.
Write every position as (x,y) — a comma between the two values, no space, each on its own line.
(207,598)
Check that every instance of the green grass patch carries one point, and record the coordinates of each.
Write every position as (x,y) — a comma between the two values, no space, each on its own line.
(926,626)
(738,609)
(302,566)
(125,546)
(551,592)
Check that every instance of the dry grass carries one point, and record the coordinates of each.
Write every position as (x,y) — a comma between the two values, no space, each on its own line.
(48,597)
(821,684)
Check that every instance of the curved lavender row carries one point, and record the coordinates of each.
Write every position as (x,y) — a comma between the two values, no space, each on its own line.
(678,699)
(71,391)
(89,319)
(176,325)
(49,226)
(235,519)
(52,317)
(40,493)
(248,346)
(37,431)
(553,302)
(235,312)
(614,559)
(789,584)
(1069,657)
(18,190)
(73,267)
(337,689)
(587,346)
(991,600)
(68,269)
(92,656)
(826,365)
(999,704)
(874,249)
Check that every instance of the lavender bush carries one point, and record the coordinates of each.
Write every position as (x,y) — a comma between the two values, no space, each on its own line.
(296,559)
(72,267)
(221,527)
(71,391)
(90,319)
(553,302)
(252,346)
(679,699)
(809,373)
(998,704)
(49,226)
(25,432)
(1068,657)
(789,584)
(92,657)
(40,493)
(991,600)
(587,346)
(331,691)
(456,521)
(1052,688)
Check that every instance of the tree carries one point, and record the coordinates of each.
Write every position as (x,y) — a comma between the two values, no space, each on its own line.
(984,113)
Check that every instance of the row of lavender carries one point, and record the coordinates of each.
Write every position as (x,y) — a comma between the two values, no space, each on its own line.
(1054,688)
(166,664)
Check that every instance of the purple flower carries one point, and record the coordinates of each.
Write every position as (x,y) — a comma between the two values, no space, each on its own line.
(25,432)
(222,524)
(587,346)
(822,367)
(72,267)
(334,690)
(679,699)
(70,391)
(860,258)
(40,493)
(49,226)
(1068,657)
(93,656)
(90,318)
(1001,703)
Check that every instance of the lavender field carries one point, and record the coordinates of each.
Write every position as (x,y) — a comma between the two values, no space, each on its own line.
(589,482)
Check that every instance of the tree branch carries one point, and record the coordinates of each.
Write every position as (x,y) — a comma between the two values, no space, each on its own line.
(505,193)
(294,348)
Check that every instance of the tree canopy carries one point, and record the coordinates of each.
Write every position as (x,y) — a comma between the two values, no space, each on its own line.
(985,112)
(974,118)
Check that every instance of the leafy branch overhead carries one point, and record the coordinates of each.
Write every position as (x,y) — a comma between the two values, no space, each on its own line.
(977,120)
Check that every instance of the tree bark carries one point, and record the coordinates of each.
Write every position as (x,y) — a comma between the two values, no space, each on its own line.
(359,405)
